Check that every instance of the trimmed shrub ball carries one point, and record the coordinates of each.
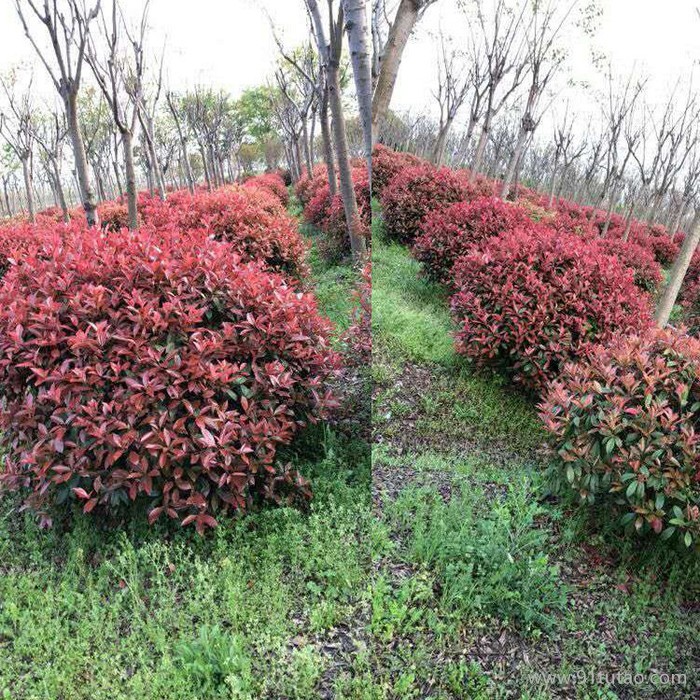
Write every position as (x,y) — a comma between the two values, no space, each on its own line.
(156,368)
(533,299)
(416,191)
(624,428)
(450,232)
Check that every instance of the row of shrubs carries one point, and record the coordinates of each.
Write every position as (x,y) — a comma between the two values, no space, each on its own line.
(166,366)
(539,294)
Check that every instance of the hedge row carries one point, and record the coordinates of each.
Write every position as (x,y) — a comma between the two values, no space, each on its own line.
(540,294)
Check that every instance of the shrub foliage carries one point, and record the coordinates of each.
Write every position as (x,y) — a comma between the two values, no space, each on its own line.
(533,299)
(623,426)
(155,367)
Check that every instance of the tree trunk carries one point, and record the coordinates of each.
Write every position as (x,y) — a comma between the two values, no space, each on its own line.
(677,275)
(401,28)
(60,193)
(307,147)
(628,222)
(127,143)
(27,175)
(205,167)
(357,30)
(552,186)
(87,194)
(611,206)
(327,144)
(676,223)
(352,218)
(509,178)
(478,160)
(155,163)
(439,150)
(183,147)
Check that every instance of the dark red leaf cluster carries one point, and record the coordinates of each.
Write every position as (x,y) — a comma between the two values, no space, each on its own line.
(416,191)
(270,182)
(155,366)
(327,213)
(532,299)
(387,163)
(449,232)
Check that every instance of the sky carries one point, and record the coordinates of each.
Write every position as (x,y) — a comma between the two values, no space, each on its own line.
(229,44)
(658,38)
(222,43)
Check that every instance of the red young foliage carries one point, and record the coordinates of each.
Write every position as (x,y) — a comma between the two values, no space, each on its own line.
(533,299)
(273,183)
(414,192)
(156,367)
(450,232)
(647,272)
(251,219)
(387,163)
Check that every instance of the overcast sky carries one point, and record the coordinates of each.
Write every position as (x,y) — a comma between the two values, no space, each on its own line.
(228,43)
(659,38)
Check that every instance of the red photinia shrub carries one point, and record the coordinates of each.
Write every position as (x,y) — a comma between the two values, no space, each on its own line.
(328,214)
(113,215)
(414,192)
(387,163)
(450,232)
(647,272)
(665,248)
(19,240)
(307,184)
(624,429)
(252,220)
(689,297)
(158,368)
(532,299)
(52,213)
(272,182)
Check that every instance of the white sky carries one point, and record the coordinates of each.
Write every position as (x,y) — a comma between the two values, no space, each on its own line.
(658,37)
(222,43)
(228,43)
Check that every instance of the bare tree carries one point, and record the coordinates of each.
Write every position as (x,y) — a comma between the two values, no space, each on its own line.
(67,25)
(357,31)
(175,107)
(407,15)
(17,128)
(544,59)
(451,93)
(503,43)
(147,110)
(669,295)
(120,78)
(50,134)
(330,52)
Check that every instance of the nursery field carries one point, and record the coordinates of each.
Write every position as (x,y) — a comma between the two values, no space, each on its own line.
(265,606)
(487,585)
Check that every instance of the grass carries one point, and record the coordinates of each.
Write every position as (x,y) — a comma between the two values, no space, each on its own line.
(253,610)
(487,586)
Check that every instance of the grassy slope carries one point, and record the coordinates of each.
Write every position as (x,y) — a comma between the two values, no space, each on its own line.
(483,582)
(254,610)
